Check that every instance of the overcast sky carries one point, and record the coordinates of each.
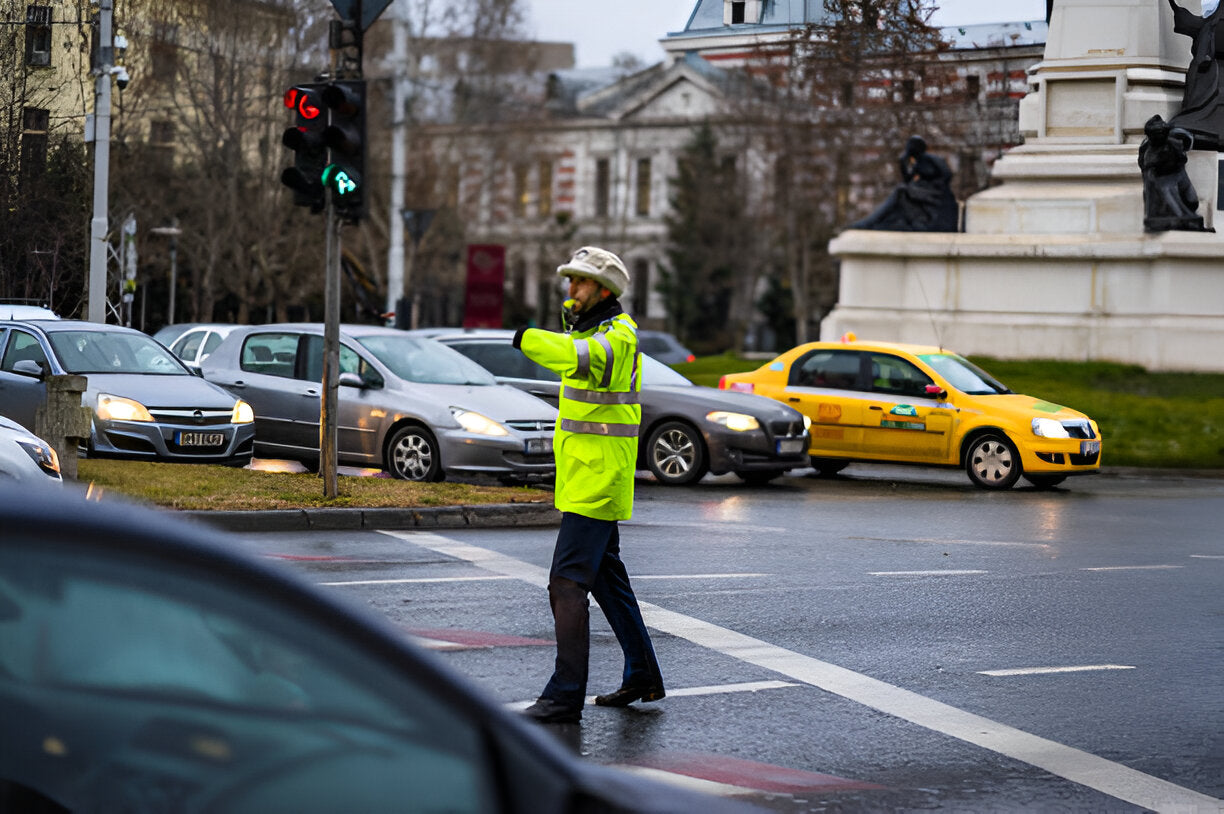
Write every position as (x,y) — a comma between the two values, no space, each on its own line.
(600,29)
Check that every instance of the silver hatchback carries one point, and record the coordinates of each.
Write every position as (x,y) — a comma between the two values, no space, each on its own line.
(407,404)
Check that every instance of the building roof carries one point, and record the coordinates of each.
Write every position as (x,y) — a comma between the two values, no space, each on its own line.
(996,35)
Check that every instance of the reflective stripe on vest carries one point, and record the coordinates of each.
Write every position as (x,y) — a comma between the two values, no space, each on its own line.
(595,428)
(600,397)
(584,359)
(609,359)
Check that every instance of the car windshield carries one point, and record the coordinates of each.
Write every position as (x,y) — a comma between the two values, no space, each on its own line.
(117,352)
(424,361)
(964,375)
(656,373)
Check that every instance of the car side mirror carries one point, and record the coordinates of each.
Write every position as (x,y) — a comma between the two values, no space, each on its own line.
(28,367)
(935,391)
(352,380)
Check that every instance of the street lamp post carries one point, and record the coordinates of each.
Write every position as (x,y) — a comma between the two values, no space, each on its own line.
(172,231)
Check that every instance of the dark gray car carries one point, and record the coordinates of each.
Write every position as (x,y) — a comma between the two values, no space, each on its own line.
(687,430)
(407,404)
(145,402)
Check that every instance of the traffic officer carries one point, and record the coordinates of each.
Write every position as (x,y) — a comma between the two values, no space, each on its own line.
(595,446)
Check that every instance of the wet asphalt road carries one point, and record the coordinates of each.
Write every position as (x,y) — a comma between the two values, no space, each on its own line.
(890,640)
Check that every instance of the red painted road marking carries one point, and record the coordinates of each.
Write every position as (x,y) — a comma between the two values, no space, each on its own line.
(477,638)
(750,774)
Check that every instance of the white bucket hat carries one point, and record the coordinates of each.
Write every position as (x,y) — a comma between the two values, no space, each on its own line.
(599,265)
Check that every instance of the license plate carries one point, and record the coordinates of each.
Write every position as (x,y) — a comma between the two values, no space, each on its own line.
(539,446)
(199,439)
(1090,447)
(790,446)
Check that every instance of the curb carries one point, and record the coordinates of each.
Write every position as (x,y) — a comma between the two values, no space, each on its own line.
(497,515)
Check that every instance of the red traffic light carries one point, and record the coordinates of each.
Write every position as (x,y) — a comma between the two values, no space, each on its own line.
(303,102)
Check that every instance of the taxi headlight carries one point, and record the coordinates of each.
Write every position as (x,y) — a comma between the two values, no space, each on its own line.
(242,414)
(477,423)
(117,408)
(807,422)
(1049,428)
(734,421)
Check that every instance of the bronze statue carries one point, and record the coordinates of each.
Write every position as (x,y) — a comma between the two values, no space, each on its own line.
(923,201)
(1202,110)
(1169,199)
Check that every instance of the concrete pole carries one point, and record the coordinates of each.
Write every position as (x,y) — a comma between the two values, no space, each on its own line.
(98,246)
(399,71)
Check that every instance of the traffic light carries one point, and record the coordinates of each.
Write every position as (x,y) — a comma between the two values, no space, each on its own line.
(346,137)
(307,140)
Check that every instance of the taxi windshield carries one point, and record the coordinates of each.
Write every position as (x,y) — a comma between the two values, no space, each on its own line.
(964,375)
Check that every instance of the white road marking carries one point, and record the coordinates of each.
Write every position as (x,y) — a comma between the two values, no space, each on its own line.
(685,781)
(438,644)
(1035,671)
(948,573)
(421,580)
(637,577)
(1207,556)
(940,541)
(1067,762)
(1134,568)
(713,689)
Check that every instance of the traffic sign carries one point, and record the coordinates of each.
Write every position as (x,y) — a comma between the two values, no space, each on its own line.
(370,9)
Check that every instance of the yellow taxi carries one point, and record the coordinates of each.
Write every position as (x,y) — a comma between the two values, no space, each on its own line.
(915,404)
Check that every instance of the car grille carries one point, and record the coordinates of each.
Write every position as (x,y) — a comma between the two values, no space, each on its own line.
(1084,460)
(199,418)
(782,429)
(531,426)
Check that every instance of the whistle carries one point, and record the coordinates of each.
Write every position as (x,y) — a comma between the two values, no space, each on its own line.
(569,304)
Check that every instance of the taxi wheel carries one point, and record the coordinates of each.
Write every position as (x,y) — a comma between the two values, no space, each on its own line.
(992,462)
(1045,481)
(676,454)
(826,467)
(412,454)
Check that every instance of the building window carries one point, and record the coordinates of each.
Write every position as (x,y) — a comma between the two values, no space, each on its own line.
(521,195)
(161,139)
(737,11)
(908,90)
(35,123)
(545,184)
(38,36)
(602,186)
(163,53)
(641,287)
(642,199)
(973,87)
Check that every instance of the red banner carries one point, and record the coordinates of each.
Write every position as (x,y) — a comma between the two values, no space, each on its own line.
(486,274)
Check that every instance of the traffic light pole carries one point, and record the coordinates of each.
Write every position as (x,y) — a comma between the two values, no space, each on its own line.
(331,354)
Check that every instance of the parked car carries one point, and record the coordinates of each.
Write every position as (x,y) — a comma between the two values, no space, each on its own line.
(25,458)
(407,404)
(194,344)
(147,664)
(686,431)
(146,404)
(663,347)
(23,311)
(880,401)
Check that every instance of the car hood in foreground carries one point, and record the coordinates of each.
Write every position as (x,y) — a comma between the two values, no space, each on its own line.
(175,392)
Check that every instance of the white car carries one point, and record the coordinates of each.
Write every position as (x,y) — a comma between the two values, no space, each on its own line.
(10,311)
(26,458)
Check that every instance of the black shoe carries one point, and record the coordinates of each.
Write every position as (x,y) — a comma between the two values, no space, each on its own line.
(627,695)
(548,711)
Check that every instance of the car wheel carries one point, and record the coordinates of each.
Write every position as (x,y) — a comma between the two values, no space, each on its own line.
(676,454)
(992,462)
(760,477)
(413,455)
(827,467)
(1045,481)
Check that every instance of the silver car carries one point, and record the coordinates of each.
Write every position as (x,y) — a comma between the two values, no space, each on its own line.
(26,458)
(146,404)
(194,344)
(407,404)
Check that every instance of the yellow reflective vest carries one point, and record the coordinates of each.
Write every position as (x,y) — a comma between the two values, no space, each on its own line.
(595,443)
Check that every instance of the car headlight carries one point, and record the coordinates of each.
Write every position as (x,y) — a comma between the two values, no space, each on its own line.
(42,454)
(1049,428)
(734,421)
(477,423)
(117,408)
(807,422)
(243,414)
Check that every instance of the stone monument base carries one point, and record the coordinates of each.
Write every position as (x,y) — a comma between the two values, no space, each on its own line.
(1152,300)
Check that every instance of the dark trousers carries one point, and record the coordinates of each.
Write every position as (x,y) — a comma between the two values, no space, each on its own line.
(587,559)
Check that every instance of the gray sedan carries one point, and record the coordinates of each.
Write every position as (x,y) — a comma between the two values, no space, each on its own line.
(407,404)
(146,404)
(687,430)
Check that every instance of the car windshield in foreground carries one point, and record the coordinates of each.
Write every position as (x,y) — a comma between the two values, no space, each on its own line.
(964,375)
(656,373)
(105,352)
(424,361)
